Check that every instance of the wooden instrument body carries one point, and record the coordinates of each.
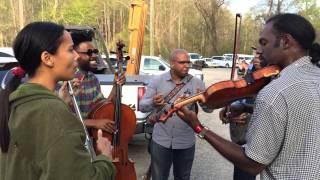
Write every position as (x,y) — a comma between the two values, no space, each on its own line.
(223,93)
(105,110)
(125,123)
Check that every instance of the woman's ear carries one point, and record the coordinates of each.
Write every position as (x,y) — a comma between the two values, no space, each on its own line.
(47,59)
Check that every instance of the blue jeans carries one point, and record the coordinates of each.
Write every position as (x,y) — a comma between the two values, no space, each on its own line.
(238,174)
(162,158)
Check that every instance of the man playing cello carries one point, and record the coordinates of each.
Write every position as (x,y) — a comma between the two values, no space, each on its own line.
(90,91)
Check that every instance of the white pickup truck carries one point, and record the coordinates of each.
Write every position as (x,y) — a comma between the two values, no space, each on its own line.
(153,65)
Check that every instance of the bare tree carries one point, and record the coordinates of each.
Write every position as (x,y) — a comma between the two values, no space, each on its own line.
(13,13)
(208,10)
(21,14)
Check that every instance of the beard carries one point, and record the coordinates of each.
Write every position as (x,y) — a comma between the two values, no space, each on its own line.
(85,65)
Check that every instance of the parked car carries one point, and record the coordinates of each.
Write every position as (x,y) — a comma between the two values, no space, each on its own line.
(205,62)
(7,61)
(197,60)
(219,61)
(246,58)
(241,57)
(210,63)
(113,60)
(153,65)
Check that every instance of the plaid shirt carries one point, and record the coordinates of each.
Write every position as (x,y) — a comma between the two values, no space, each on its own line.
(284,131)
(91,92)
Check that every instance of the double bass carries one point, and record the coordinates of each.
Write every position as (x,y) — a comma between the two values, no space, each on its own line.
(125,124)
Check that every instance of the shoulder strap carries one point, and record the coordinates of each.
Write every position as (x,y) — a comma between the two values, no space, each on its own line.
(176,89)
(153,115)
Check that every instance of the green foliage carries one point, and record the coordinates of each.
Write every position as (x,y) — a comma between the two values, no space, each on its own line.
(80,12)
(177,23)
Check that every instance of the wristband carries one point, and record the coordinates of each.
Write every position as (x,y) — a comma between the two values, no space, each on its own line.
(203,132)
(197,129)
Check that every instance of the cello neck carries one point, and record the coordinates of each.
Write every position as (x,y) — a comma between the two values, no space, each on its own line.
(117,103)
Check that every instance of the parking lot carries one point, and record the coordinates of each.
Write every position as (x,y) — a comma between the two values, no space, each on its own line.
(208,163)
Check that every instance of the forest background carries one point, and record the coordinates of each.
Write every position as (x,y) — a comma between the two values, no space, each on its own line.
(202,26)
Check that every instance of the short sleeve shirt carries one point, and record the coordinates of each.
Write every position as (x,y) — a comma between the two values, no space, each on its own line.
(284,131)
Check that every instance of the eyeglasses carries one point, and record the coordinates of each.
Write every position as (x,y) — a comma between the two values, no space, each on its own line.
(90,52)
(183,62)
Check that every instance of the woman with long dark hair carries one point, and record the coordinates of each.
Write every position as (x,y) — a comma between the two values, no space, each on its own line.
(39,137)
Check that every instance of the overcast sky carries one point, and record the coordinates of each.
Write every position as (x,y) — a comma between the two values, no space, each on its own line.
(242,6)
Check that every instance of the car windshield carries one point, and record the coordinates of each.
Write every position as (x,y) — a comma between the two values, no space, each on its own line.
(228,58)
(165,62)
(195,56)
(2,54)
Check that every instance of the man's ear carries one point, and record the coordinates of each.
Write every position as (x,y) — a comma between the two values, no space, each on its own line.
(286,41)
(171,64)
(47,59)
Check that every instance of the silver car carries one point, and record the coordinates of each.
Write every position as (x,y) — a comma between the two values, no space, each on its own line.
(219,61)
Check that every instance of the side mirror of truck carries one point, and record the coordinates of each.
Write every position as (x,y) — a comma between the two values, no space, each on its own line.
(162,68)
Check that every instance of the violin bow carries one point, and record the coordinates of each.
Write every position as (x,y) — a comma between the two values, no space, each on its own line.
(234,58)
(235,45)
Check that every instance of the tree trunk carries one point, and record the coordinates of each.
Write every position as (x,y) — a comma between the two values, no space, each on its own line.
(171,25)
(121,18)
(42,17)
(1,39)
(179,24)
(151,27)
(21,16)
(13,12)
(246,34)
(108,25)
(114,24)
(54,9)
(214,34)
(179,30)
(105,26)
(270,3)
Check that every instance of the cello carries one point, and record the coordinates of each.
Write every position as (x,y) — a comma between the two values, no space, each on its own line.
(125,124)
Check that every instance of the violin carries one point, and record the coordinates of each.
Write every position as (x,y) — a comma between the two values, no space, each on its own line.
(223,93)
(125,125)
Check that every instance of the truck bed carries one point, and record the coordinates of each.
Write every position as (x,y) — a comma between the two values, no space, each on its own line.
(129,93)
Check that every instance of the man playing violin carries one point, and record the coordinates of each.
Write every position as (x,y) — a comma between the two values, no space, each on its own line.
(89,90)
(283,134)
(172,142)
(238,117)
